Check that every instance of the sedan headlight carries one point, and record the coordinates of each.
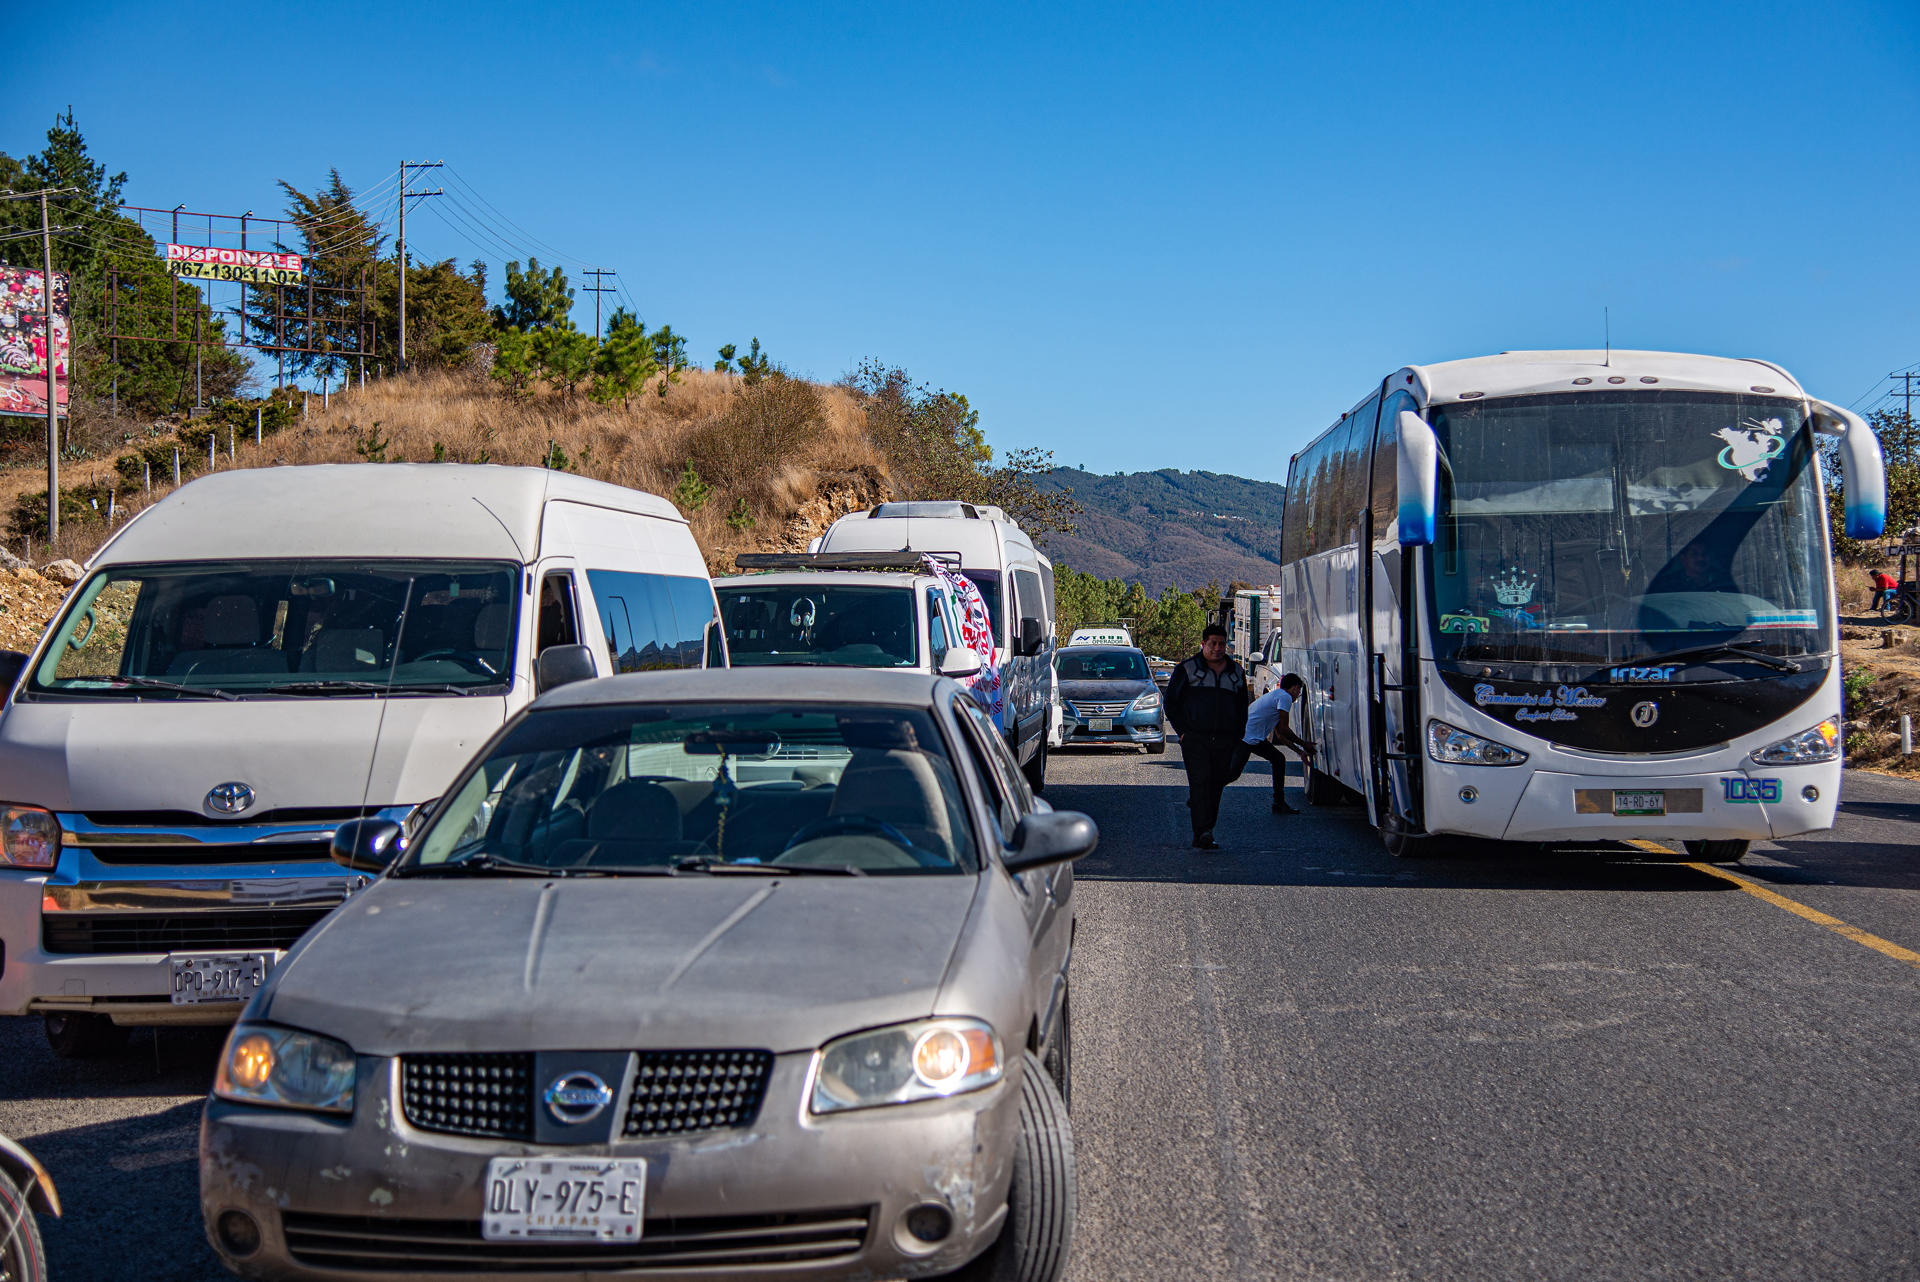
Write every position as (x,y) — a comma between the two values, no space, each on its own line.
(1455,747)
(286,1068)
(1821,743)
(29,837)
(1148,702)
(928,1059)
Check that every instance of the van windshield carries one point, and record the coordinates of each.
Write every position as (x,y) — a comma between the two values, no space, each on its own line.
(285,628)
(837,625)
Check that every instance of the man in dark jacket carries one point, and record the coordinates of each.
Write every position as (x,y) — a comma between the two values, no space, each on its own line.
(1207,703)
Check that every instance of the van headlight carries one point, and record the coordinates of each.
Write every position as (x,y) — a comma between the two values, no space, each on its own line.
(927,1059)
(286,1068)
(1456,747)
(29,837)
(1821,743)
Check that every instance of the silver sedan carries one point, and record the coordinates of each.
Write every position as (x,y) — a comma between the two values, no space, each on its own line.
(696,974)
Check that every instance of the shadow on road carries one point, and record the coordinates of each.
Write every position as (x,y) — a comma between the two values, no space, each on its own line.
(156,1062)
(130,1192)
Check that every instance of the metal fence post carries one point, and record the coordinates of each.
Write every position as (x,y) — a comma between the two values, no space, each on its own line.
(1906,734)
(258,412)
(176,465)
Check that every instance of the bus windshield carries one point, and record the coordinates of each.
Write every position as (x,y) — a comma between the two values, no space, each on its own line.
(1615,526)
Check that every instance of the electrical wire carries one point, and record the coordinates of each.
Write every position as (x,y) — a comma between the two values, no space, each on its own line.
(526,236)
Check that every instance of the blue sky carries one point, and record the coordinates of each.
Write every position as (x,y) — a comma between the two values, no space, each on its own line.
(1140,236)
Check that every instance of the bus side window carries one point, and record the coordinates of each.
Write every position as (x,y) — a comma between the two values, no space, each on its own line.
(1353,468)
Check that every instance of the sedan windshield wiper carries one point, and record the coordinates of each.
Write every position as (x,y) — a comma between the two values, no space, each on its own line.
(1773,661)
(485,861)
(705,863)
(173,687)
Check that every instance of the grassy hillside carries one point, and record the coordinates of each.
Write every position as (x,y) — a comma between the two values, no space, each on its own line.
(1160,528)
(772,464)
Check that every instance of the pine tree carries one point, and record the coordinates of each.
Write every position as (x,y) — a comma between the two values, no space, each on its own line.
(535,299)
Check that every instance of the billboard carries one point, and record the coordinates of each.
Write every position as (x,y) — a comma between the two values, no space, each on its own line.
(204,262)
(23,341)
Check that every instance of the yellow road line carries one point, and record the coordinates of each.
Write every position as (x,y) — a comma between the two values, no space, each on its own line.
(1882,946)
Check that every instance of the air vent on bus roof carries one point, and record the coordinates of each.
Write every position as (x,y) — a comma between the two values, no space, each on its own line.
(937,510)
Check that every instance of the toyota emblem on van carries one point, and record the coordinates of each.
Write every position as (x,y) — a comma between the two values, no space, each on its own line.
(229,798)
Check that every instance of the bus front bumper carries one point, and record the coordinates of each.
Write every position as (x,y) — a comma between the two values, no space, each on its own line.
(1751,804)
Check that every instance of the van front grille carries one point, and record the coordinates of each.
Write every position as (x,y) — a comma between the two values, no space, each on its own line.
(225,930)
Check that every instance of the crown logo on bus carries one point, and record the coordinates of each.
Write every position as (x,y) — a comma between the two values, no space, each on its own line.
(1515,587)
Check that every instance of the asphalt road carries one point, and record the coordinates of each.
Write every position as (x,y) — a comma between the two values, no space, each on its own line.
(1300,1058)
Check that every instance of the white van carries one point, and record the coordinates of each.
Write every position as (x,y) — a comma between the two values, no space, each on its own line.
(1016,579)
(1102,634)
(265,654)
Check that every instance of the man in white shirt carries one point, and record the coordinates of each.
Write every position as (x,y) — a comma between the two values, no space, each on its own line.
(1271,716)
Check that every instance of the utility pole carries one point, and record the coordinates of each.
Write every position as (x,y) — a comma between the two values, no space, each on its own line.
(598,288)
(1906,378)
(401,245)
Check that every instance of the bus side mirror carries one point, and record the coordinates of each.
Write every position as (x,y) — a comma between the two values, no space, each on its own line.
(1863,470)
(1419,480)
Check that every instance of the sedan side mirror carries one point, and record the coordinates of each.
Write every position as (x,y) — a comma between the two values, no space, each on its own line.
(11,662)
(1033,636)
(560,665)
(959,661)
(366,845)
(1043,839)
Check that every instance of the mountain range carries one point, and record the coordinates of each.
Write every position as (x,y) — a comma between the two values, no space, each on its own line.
(1159,528)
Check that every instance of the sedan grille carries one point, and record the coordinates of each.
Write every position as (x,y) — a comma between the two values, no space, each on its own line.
(721,1244)
(674,1092)
(1085,710)
(679,1091)
(470,1094)
(182,932)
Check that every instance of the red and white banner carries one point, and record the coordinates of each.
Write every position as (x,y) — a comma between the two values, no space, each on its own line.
(233,257)
(976,629)
(24,345)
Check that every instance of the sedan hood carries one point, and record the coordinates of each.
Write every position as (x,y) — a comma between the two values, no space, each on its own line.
(1104,691)
(697,960)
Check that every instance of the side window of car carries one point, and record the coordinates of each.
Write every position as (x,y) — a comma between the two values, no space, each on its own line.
(1005,768)
(937,642)
(1005,818)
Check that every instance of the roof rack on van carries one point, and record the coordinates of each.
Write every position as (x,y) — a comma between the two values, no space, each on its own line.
(939,509)
(901,560)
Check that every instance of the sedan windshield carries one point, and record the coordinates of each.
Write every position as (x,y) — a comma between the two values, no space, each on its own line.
(706,789)
(824,624)
(284,629)
(1102,665)
(1617,526)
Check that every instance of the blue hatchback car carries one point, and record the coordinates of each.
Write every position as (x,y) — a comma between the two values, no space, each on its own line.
(1107,695)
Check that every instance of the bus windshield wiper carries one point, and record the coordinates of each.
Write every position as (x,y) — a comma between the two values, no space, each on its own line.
(1773,661)
(173,687)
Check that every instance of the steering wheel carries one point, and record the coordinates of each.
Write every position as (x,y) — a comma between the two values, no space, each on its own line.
(472,662)
(842,825)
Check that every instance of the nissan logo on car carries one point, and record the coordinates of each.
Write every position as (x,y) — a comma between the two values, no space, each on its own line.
(578,1097)
(229,798)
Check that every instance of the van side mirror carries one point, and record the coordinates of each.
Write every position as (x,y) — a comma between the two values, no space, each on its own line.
(1863,469)
(365,845)
(1032,638)
(1419,459)
(959,661)
(1055,838)
(560,665)
(11,662)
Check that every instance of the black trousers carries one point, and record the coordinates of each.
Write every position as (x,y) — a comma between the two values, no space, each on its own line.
(1243,752)
(1209,762)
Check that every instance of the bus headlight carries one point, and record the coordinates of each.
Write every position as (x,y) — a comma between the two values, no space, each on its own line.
(1821,743)
(1455,747)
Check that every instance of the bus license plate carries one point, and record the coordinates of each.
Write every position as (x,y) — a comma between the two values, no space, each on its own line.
(219,977)
(1640,803)
(1099,725)
(599,1199)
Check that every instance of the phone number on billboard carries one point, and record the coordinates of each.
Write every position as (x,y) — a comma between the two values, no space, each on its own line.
(232,271)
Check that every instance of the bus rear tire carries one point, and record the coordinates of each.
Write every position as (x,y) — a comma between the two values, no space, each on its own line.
(1718,852)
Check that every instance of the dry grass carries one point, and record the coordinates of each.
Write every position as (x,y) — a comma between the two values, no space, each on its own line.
(796,453)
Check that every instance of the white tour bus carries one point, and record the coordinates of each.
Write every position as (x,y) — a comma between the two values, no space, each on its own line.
(1565,596)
